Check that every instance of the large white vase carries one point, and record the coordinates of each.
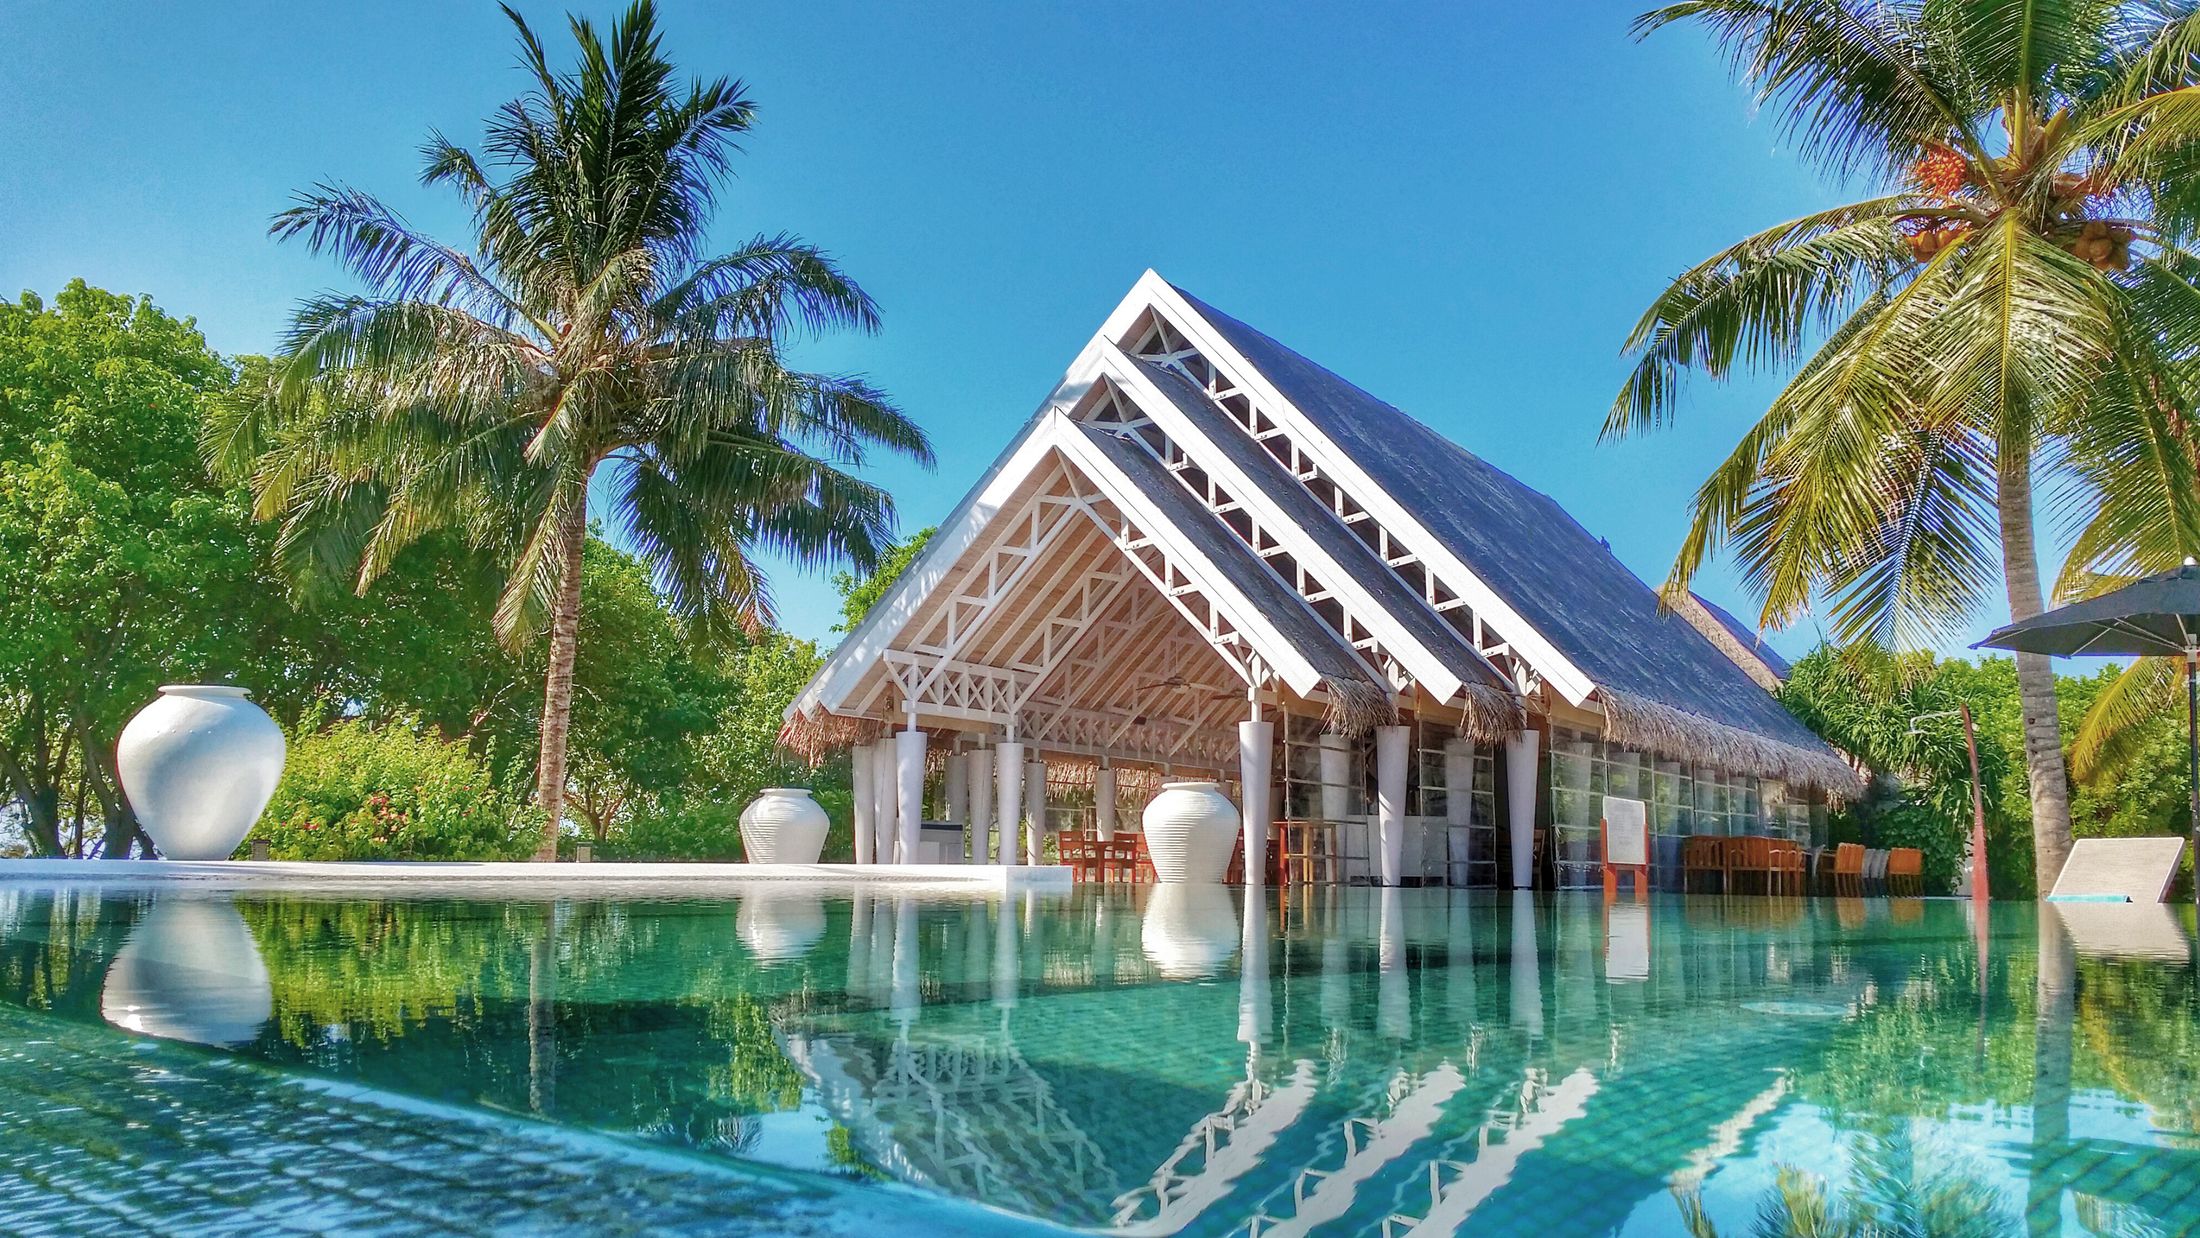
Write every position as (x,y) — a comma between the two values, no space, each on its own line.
(199,765)
(1190,930)
(1190,828)
(190,971)
(783,825)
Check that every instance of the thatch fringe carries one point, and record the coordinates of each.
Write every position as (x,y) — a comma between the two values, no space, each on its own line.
(1357,706)
(813,736)
(1650,726)
(1491,714)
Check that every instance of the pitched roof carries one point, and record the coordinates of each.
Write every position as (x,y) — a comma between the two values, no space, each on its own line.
(1556,575)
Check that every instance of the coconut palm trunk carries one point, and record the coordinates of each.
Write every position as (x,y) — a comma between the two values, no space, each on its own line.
(2043,752)
(557,693)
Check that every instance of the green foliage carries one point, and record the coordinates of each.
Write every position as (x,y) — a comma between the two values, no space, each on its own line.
(362,792)
(122,564)
(1898,715)
(684,829)
(858,594)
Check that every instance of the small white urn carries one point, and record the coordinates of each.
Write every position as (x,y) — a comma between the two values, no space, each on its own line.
(1190,930)
(199,766)
(190,970)
(783,825)
(1190,828)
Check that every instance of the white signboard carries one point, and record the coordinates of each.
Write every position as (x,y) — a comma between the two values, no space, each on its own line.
(1626,831)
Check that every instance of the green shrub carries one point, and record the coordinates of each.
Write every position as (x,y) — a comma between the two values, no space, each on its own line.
(1910,824)
(675,831)
(361,792)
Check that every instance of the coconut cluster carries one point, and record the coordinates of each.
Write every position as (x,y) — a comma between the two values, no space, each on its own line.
(2107,246)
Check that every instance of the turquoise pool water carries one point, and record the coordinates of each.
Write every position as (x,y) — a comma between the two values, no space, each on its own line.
(1352,1061)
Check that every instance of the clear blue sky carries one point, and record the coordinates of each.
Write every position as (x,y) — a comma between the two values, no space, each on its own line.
(1461,206)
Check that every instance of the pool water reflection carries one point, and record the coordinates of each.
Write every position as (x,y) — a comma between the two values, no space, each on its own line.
(1188,1060)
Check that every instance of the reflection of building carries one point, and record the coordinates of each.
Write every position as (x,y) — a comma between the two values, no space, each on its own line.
(1372,1064)
(1207,553)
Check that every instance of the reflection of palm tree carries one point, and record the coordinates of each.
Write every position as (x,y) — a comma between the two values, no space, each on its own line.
(1889,1194)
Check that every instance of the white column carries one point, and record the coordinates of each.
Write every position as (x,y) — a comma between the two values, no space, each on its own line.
(1336,775)
(909,763)
(1103,803)
(1009,765)
(1035,808)
(981,806)
(955,788)
(886,798)
(1520,753)
(1256,743)
(859,775)
(1391,750)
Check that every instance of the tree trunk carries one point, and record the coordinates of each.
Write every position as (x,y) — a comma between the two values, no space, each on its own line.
(557,696)
(122,829)
(2043,752)
(41,805)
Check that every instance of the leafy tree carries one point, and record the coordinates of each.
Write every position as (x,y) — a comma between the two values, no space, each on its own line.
(858,594)
(484,390)
(2016,297)
(1896,714)
(124,567)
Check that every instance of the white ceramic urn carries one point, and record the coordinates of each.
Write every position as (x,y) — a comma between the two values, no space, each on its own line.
(1190,828)
(782,825)
(1190,929)
(190,970)
(199,765)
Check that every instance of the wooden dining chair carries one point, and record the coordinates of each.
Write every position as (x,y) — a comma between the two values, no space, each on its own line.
(1700,860)
(1787,864)
(1848,870)
(1875,870)
(1734,859)
(1080,853)
(1905,871)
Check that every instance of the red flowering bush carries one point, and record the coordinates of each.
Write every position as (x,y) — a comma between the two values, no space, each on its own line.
(360,792)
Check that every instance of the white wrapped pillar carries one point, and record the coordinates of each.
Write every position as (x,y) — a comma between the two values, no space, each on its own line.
(1392,746)
(1035,808)
(1008,762)
(909,769)
(955,788)
(859,778)
(885,800)
(1520,752)
(1256,743)
(1103,803)
(981,807)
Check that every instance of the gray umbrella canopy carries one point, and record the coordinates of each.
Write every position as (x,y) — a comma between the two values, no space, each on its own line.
(2154,615)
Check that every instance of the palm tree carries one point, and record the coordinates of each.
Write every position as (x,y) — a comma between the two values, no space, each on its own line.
(487,388)
(2015,303)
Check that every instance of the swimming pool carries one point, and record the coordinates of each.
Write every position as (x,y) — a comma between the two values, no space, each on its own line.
(1158,1060)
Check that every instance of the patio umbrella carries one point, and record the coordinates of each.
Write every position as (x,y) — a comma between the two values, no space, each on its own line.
(2153,616)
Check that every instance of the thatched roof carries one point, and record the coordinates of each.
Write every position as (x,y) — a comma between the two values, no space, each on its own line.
(1304,539)
(1647,662)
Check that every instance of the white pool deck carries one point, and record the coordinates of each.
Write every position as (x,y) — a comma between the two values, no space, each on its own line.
(524,876)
